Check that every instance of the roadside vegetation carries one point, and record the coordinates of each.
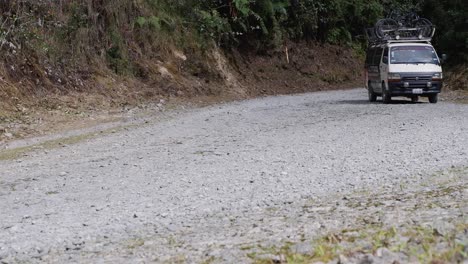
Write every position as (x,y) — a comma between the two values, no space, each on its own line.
(84,54)
(419,244)
(423,236)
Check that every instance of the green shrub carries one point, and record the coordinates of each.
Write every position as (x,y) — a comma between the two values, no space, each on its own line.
(152,23)
(116,54)
(212,25)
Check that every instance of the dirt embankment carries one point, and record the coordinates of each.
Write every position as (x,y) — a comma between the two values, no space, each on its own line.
(35,104)
(456,84)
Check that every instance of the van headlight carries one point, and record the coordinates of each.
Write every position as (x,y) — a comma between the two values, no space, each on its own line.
(437,76)
(394,77)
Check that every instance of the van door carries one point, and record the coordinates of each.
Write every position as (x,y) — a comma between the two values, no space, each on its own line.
(368,63)
(373,69)
(384,66)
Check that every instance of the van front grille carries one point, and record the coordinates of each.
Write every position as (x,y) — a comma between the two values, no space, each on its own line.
(417,78)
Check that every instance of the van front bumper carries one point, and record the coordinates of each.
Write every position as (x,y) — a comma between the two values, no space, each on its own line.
(405,88)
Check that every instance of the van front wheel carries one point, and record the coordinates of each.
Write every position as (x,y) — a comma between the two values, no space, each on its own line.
(433,98)
(386,97)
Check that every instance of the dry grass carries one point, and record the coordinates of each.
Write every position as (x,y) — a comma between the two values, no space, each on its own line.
(419,243)
(457,78)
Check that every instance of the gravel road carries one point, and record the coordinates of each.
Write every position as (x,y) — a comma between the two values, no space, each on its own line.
(204,183)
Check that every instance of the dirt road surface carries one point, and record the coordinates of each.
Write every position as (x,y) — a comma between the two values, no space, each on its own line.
(212,184)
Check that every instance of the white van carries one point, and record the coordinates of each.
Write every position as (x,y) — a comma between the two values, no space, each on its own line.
(403,68)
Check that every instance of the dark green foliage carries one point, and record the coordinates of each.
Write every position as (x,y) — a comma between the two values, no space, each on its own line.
(117,55)
(303,20)
(214,26)
(451,20)
(267,23)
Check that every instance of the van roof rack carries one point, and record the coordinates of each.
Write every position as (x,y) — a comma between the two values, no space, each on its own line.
(398,27)
(399,36)
(390,41)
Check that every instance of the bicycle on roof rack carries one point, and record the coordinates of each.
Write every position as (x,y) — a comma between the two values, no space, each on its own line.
(402,26)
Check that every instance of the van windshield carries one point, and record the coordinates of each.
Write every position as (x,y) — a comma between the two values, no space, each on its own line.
(413,55)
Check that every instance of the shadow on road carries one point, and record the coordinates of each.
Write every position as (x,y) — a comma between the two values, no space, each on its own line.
(365,102)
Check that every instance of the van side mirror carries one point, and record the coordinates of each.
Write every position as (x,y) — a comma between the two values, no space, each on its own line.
(444,58)
(385,59)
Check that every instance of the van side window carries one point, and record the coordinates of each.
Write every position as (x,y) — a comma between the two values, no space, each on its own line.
(385,54)
(369,56)
(377,56)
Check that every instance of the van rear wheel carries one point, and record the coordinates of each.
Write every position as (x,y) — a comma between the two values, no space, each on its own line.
(372,95)
(415,99)
(386,97)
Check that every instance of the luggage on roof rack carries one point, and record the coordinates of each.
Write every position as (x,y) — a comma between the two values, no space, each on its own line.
(404,28)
